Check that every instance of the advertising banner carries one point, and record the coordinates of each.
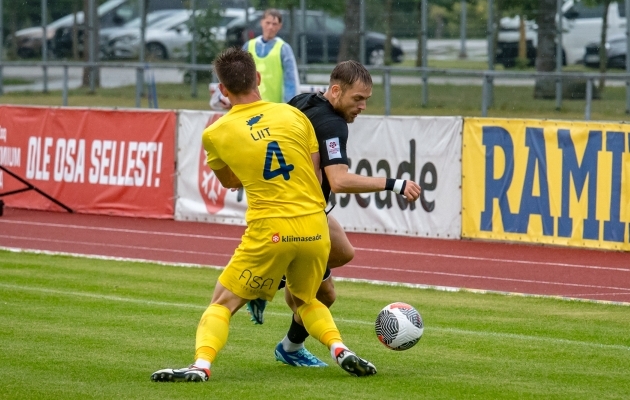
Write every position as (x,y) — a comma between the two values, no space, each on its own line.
(427,150)
(200,196)
(91,160)
(555,182)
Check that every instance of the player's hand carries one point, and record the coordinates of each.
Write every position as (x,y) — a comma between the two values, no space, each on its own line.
(224,102)
(412,191)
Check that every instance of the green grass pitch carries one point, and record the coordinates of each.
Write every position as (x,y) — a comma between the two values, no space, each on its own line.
(77,328)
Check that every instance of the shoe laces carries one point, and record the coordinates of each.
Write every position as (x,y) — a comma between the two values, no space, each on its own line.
(307,354)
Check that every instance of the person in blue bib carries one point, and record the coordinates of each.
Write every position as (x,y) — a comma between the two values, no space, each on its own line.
(274,60)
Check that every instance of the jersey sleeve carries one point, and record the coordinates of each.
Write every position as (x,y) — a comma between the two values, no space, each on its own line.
(333,138)
(212,157)
(312,138)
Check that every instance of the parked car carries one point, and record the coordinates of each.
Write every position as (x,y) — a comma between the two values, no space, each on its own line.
(112,13)
(63,37)
(581,23)
(615,53)
(28,41)
(322,31)
(508,43)
(167,38)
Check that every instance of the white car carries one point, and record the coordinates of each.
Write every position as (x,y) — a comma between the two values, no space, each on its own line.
(131,27)
(167,38)
(28,41)
(581,24)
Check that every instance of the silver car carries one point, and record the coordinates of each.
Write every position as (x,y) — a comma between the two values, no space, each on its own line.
(131,27)
(167,38)
(28,42)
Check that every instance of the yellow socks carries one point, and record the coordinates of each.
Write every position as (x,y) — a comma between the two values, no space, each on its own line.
(319,322)
(212,332)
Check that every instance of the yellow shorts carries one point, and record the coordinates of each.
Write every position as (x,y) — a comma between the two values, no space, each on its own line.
(297,248)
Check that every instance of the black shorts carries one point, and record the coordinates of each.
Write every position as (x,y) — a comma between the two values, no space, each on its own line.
(283,282)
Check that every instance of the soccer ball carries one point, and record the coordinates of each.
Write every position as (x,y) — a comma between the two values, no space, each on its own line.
(399,326)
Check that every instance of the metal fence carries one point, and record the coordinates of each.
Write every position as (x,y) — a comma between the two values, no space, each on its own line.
(422,76)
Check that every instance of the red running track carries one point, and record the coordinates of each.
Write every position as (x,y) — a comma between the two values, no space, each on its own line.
(487,266)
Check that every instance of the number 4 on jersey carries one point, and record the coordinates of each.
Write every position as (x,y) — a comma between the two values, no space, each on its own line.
(274,149)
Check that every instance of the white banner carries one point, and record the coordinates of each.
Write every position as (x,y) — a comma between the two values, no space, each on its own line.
(424,149)
(200,196)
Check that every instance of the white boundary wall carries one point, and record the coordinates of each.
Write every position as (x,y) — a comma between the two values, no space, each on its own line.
(425,149)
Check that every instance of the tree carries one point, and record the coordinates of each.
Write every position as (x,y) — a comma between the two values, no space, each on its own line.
(603,56)
(522,9)
(87,44)
(448,5)
(419,36)
(349,47)
(387,51)
(546,49)
(207,46)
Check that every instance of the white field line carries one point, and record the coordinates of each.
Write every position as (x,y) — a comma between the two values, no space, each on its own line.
(491,259)
(369,281)
(108,245)
(428,330)
(467,276)
(110,258)
(404,252)
(120,230)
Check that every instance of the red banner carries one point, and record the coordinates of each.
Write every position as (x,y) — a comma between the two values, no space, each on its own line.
(91,160)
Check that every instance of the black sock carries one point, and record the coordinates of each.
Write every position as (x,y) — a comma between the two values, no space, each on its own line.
(297,333)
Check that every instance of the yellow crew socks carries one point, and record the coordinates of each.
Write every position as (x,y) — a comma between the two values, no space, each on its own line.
(319,322)
(212,332)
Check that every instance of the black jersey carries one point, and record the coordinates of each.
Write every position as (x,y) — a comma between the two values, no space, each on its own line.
(331,130)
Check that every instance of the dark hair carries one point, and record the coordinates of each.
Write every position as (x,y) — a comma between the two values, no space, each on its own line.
(348,72)
(274,13)
(236,70)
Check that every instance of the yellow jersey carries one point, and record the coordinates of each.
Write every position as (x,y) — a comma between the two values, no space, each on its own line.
(268,146)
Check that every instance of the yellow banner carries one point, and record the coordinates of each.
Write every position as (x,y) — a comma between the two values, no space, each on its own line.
(556,182)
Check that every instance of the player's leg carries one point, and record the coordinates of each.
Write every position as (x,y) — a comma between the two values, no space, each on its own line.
(319,322)
(212,334)
(254,270)
(341,252)
(291,350)
(303,283)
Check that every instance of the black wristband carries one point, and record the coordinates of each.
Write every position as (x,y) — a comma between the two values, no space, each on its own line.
(395,185)
(389,183)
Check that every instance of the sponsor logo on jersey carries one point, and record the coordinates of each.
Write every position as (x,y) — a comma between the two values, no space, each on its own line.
(249,280)
(333,148)
(275,238)
(253,120)
(289,239)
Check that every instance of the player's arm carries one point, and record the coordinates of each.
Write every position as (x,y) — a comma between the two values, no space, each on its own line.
(343,181)
(290,78)
(218,101)
(318,172)
(227,178)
